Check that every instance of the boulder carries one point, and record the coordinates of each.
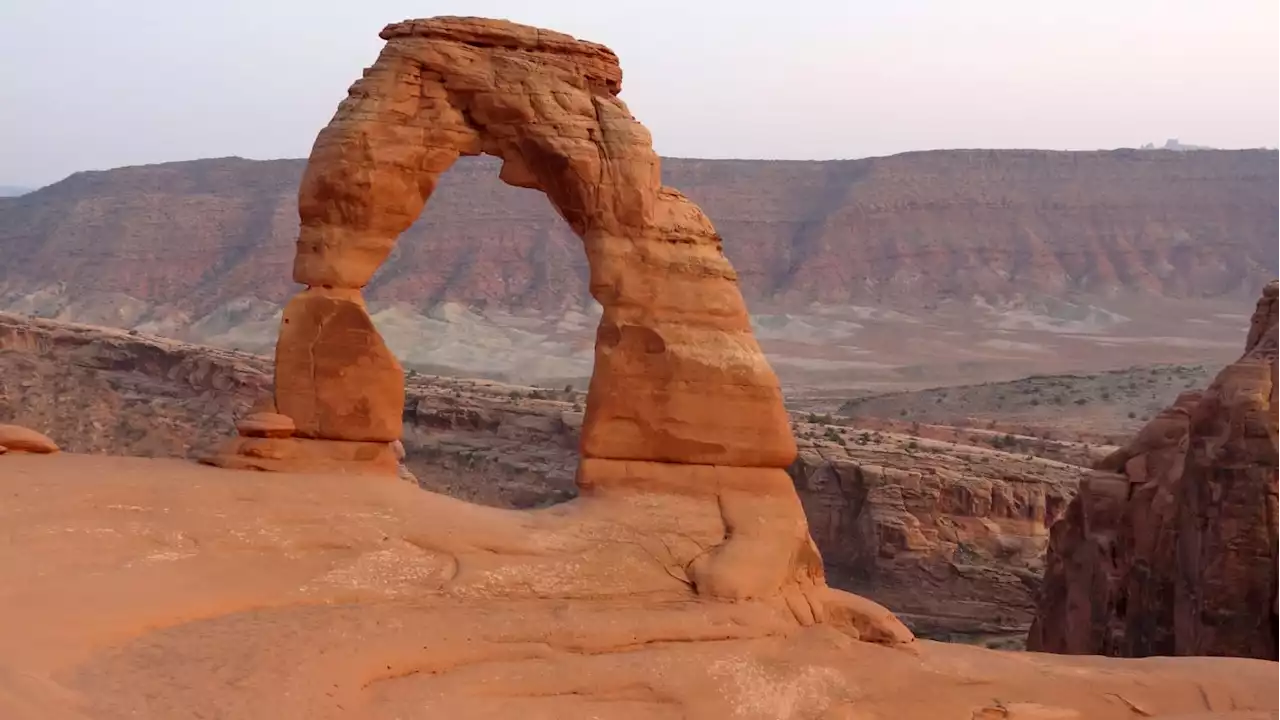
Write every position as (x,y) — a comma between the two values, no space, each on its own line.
(266,425)
(16,438)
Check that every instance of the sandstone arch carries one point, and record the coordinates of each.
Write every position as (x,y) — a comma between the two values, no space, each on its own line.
(678,377)
(681,403)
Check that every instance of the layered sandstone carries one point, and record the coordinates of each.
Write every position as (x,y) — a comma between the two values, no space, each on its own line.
(951,537)
(910,229)
(1176,553)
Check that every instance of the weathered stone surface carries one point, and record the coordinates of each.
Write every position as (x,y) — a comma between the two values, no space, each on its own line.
(218,594)
(266,425)
(1179,557)
(335,376)
(16,438)
(678,376)
(305,455)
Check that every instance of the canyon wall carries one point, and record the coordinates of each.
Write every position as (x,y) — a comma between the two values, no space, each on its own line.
(917,227)
(1174,553)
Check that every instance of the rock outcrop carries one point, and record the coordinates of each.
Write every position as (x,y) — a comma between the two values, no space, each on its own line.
(951,537)
(1175,554)
(102,390)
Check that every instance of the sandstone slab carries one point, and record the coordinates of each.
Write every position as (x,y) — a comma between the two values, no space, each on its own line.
(306,455)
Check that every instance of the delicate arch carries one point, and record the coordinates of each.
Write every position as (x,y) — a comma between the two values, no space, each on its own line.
(678,377)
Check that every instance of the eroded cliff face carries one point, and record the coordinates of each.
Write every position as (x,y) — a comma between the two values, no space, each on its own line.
(1175,554)
(951,537)
(916,227)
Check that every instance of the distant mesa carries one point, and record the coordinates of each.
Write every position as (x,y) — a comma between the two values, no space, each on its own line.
(1175,145)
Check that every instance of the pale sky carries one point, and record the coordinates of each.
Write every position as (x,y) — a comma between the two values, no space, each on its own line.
(95,84)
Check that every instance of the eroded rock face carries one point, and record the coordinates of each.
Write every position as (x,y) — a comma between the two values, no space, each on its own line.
(335,376)
(1178,555)
(951,537)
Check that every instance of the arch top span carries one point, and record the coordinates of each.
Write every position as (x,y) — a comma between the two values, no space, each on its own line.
(678,378)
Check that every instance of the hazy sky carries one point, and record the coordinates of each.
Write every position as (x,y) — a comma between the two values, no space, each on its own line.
(94,84)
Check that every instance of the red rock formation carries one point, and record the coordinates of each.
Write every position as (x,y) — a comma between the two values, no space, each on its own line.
(1177,555)
(681,402)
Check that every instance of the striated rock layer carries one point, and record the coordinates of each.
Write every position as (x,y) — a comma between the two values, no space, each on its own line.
(909,229)
(1175,554)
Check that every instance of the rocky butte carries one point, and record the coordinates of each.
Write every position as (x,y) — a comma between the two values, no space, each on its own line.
(1175,552)
(681,583)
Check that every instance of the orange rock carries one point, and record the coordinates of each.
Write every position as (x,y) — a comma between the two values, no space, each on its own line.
(1178,557)
(16,438)
(335,376)
(302,455)
(267,425)
(679,376)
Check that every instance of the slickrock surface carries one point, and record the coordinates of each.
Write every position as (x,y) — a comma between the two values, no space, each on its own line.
(1176,553)
(221,593)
